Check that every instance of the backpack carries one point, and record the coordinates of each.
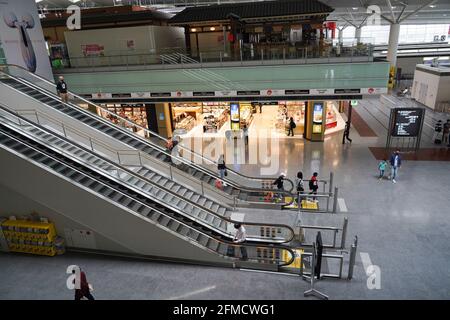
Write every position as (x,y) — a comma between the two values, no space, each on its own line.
(294,125)
(311,184)
(300,186)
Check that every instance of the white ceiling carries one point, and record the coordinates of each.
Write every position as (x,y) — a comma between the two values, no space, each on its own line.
(347,12)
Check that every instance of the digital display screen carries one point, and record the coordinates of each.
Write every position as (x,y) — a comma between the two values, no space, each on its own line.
(235,116)
(318,112)
(407,122)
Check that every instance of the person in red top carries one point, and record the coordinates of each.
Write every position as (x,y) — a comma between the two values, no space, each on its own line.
(313,184)
(84,290)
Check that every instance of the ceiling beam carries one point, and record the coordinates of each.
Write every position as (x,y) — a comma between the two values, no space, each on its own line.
(388,2)
(401,13)
(417,10)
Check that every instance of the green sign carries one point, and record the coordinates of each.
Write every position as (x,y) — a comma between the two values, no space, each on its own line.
(354,102)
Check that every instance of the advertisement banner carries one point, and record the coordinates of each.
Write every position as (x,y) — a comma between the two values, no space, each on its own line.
(22,37)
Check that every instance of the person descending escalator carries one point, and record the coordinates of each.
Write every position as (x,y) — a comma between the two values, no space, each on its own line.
(279,183)
(314,184)
(300,188)
(240,238)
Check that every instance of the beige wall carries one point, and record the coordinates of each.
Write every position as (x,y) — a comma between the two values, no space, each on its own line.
(430,89)
(147,39)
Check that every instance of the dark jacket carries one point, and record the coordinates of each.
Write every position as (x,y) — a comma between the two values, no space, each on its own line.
(61,87)
(292,124)
(279,182)
(392,160)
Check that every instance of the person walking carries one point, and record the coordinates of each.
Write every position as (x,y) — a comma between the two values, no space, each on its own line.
(381,168)
(279,182)
(84,290)
(346,133)
(245,133)
(314,184)
(437,136)
(240,237)
(395,162)
(221,166)
(61,88)
(300,187)
(291,126)
(447,132)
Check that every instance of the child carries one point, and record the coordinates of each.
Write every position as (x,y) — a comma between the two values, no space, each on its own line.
(382,167)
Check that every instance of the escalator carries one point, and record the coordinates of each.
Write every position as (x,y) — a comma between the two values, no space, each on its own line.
(80,171)
(245,191)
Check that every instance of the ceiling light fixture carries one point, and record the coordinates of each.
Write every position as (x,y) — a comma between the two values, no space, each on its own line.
(432,6)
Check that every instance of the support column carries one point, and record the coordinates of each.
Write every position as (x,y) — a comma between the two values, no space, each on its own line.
(341,35)
(394,34)
(358,34)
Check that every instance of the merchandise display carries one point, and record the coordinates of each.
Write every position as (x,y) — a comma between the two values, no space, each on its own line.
(31,237)
(133,112)
(246,114)
(296,110)
(210,115)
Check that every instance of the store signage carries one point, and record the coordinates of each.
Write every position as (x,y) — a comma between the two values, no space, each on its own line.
(248,93)
(182,94)
(160,94)
(131,105)
(340,91)
(101,95)
(354,102)
(321,92)
(140,95)
(204,94)
(407,122)
(121,95)
(270,93)
(226,93)
(374,90)
(232,93)
(294,92)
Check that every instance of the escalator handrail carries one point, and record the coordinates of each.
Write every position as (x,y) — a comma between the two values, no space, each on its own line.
(73,106)
(195,154)
(271,246)
(160,149)
(113,164)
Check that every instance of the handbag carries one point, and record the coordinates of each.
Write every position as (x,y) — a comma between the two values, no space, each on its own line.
(225,172)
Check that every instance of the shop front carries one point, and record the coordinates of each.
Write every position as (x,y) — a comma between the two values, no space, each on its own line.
(213,119)
(135,112)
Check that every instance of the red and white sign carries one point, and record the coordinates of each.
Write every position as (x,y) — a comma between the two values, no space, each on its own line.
(94,50)
(182,94)
(373,91)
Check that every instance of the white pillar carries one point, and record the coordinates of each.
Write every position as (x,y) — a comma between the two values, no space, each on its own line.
(358,34)
(394,34)
(341,35)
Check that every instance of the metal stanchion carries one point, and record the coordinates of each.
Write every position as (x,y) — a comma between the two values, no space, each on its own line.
(312,291)
(351,264)
(335,200)
(344,233)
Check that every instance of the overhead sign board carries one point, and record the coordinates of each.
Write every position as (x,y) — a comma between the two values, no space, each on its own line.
(407,122)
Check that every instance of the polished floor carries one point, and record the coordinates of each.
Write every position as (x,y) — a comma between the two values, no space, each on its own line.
(402,228)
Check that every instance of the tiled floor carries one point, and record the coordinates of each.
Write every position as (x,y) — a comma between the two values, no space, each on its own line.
(403,228)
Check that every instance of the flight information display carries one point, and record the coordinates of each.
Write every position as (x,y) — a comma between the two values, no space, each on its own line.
(407,122)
